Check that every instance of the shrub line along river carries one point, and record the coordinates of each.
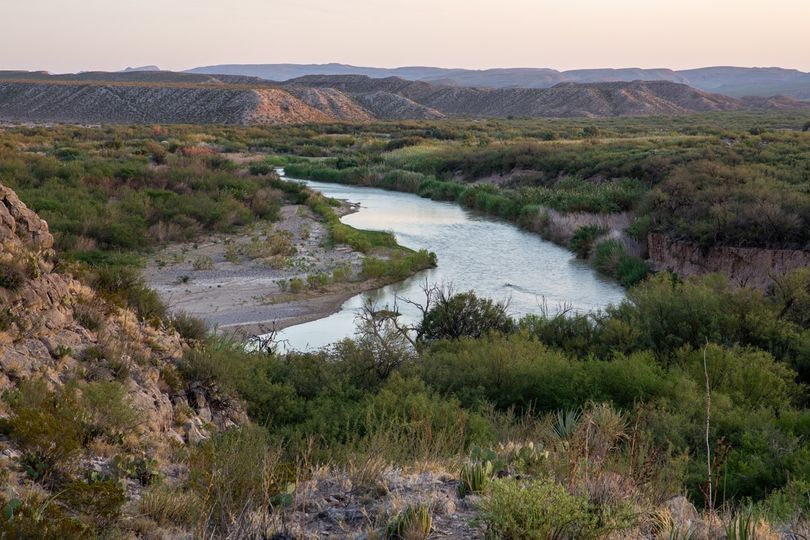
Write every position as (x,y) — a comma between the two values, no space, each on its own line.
(495,259)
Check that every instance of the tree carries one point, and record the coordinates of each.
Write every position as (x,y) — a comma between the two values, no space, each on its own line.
(453,316)
(806,127)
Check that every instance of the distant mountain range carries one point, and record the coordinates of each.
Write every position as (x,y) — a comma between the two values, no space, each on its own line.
(732,81)
(168,97)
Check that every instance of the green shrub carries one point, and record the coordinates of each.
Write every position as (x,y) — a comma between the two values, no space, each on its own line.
(172,506)
(583,239)
(49,428)
(189,327)
(318,281)
(296,285)
(454,316)
(610,258)
(535,510)
(233,472)
(41,518)
(99,503)
(203,262)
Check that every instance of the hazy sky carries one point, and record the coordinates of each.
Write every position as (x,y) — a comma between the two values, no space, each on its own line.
(71,35)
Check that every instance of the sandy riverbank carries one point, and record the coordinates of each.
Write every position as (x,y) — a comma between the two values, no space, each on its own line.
(236,283)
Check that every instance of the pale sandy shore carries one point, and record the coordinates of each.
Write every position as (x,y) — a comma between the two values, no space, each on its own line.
(220,281)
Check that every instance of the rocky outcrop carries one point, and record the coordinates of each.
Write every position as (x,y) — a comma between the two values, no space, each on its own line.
(55,328)
(750,267)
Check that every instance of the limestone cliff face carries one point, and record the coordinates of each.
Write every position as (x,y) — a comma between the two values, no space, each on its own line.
(50,321)
(751,267)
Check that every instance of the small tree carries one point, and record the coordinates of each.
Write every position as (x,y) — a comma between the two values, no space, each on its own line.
(453,316)
(806,127)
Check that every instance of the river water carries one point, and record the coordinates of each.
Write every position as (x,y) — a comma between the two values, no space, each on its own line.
(494,258)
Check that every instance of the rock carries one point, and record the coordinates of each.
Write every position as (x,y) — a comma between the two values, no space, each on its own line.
(444,506)
(16,364)
(684,514)
(195,434)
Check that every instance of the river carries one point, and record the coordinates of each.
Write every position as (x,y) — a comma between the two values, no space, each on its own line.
(494,258)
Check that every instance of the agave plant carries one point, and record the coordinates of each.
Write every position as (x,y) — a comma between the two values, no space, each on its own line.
(413,523)
(475,477)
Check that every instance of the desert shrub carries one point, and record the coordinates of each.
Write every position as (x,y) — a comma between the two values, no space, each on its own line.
(318,281)
(99,503)
(610,258)
(583,239)
(90,315)
(261,168)
(49,427)
(172,506)
(341,273)
(203,262)
(107,410)
(475,477)
(234,471)
(189,327)
(12,276)
(409,422)
(296,285)
(124,286)
(535,510)
(42,518)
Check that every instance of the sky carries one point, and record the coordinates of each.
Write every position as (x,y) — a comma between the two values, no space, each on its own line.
(74,35)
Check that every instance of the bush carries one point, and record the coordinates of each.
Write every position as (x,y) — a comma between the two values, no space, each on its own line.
(535,510)
(454,316)
(189,327)
(296,285)
(48,427)
(203,262)
(234,472)
(610,258)
(172,506)
(12,276)
(583,239)
(99,502)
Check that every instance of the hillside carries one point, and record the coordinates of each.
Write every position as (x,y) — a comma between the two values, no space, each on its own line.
(94,407)
(179,98)
(156,103)
(564,100)
(733,81)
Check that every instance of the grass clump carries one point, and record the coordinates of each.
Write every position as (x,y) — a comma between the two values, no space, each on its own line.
(413,523)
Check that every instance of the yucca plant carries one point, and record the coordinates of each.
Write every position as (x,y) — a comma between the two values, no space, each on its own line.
(742,526)
(475,477)
(413,523)
(566,423)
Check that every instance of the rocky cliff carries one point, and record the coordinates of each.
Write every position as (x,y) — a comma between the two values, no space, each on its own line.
(59,334)
(751,267)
